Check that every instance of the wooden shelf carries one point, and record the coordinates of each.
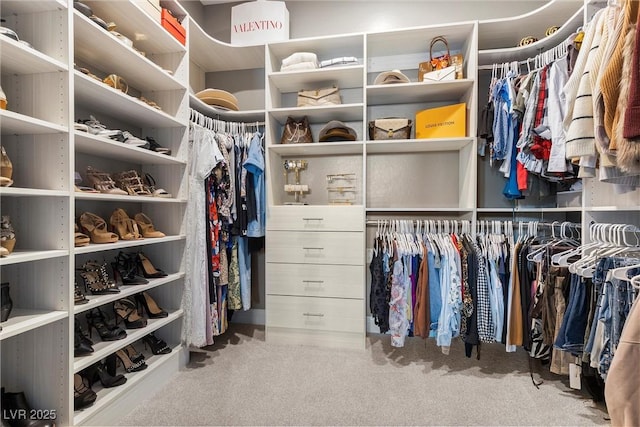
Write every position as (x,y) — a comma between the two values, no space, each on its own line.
(317,149)
(17,58)
(344,112)
(422,92)
(125,199)
(417,145)
(342,77)
(246,116)
(18,124)
(20,256)
(124,244)
(22,320)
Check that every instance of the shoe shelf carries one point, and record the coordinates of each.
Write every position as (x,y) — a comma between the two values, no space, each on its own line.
(108,396)
(529,210)
(614,208)
(344,112)
(31,192)
(23,320)
(20,256)
(18,58)
(407,93)
(21,124)
(238,116)
(102,349)
(98,96)
(132,20)
(423,210)
(125,291)
(128,199)
(19,7)
(101,50)
(343,77)
(115,150)
(316,149)
(417,145)
(124,244)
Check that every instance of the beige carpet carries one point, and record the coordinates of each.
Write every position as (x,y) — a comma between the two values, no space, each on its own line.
(241,380)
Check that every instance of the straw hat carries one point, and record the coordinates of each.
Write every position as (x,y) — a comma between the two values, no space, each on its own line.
(218,98)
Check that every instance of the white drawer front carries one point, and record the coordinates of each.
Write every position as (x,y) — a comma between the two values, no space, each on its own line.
(341,281)
(316,218)
(307,247)
(323,314)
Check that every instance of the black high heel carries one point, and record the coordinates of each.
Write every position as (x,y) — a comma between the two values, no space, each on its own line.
(96,279)
(133,354)
(128,364)
(83,396)
(157,345)
(154,146)
(148,270)
(126,310)
(6,302)
(82,345)
(98,372)
(150,306)
(125,268)
(96,320)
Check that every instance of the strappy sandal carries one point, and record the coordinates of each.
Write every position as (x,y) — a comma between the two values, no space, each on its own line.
(125,227)
(6,168)
(154,146)
(131,182)
(81,188)
(145,224)
(80,239)
(96,228)
(96,279)
(157,192)
(103,182)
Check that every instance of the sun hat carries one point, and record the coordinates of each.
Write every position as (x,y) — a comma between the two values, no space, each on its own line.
(218,98)
(335,130)
(389,77)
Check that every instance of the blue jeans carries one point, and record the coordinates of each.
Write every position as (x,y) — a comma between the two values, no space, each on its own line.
(435,294)
(574,323)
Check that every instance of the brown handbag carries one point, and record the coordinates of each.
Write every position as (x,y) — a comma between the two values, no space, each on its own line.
(441,62)
(296,131)
(319,97)
(390,128)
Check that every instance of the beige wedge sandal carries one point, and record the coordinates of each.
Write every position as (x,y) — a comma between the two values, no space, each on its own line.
(145,224)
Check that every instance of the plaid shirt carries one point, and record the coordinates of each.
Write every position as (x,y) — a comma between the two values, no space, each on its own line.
(486,326)
(541,147)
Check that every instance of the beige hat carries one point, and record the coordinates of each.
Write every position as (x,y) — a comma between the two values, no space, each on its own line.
(389,77)
(218,98)
(335,130)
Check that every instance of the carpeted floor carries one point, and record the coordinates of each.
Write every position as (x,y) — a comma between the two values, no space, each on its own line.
(241,380)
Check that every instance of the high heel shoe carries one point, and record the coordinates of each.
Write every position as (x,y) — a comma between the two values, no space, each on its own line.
(97,321)
(80,239)
(145,224)
(96,279)
(128,364)
(96,228)
(6,168)
(125,269)
(151,184)
(126,228)
(126,310)
(82,345)
(83,396)
(150,306)
(154,146)
(148,270)
(131,182)
(79,297)
(157,345)
(7,234)
(98,372)
(133,354)
(103,182)
(6,302)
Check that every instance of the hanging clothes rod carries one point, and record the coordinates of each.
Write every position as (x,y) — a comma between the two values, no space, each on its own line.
(540,60)
(209,122)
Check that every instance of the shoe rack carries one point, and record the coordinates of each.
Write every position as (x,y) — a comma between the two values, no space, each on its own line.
(47,94)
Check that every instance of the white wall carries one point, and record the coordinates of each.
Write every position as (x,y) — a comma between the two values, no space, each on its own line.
(317,18)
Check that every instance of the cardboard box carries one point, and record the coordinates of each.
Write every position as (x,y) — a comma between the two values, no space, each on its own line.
(151,7)
(259,22)
(172,25)
(449,121)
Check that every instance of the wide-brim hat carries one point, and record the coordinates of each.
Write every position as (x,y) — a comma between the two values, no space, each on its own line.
(218,98)
(335,130)
(390,77)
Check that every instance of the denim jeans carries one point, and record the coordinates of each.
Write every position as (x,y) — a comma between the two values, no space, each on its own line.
(571,335)
(435,294)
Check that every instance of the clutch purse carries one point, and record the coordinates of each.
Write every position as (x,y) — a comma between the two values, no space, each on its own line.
(319,97)
(390,128)
(296,131)
(441,68)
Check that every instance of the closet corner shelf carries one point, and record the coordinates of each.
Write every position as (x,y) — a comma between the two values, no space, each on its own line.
(246,116)
(133,22)
(419,92)
(93,45)
(104,348)
(321,115)
(16,58)
(417,145)
(103,147)
(212,55)
(24,320)
(343,77)
(20,7)
(97,96)
(106,396)
(19,124)
(401,210)
(125,291)
(316,149)
(614,208)
(126,199)
(124,244)
(19,256)
(31,192)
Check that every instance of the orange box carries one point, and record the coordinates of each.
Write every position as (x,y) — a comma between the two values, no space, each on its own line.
(174,27)
(442,122)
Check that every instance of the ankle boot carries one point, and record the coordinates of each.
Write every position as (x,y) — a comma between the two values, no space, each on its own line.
(16,412)
(7,234)
(6,302)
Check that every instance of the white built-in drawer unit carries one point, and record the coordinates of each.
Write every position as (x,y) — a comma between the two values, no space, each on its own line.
(326,314)
(339,281)
(310,247)
(316,218)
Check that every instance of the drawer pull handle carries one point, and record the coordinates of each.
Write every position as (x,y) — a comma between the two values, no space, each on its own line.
(307,248)
(313,281)
(313,219)
(313,314)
